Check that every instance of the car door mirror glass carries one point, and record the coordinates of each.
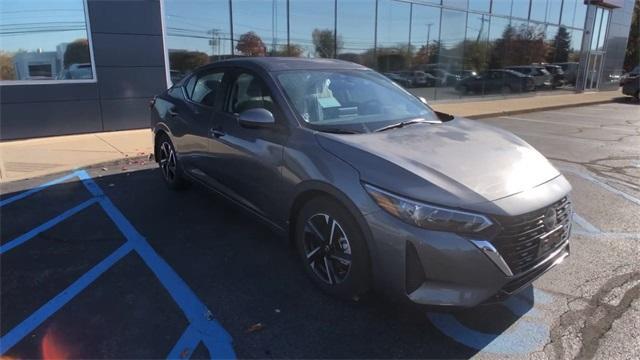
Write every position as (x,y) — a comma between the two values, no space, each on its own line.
(256,118)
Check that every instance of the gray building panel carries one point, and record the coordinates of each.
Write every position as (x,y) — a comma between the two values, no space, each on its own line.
(121,114)
(127,50)
(20,120)
(46,93)
(125,17)
(130,82)
(129,60)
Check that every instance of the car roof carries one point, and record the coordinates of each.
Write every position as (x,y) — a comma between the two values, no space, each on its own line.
(270,64)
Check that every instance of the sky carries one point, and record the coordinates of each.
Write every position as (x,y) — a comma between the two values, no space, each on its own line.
(40,24)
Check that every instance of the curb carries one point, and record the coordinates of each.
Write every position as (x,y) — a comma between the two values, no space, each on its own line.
(124,162)
(542,108)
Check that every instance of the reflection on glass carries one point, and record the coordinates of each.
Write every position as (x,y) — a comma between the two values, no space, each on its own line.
(554,8)
(574,13)
(520,9)
(500,29)
(260,27)
(476,49)
(596,29)
(44,41)
(501,7)
(312,28)
(425,32)
(356,29)
(461,4)
(480,5)
(392,50)
(603,30)
(452,36)
(539,10)
(197,33)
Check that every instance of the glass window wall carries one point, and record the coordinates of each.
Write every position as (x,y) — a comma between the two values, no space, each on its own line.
(42,42)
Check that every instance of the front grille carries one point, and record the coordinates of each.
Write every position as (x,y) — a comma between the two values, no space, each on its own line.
(525,239)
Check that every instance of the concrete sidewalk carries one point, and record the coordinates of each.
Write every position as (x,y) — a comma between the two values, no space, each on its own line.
(22,159)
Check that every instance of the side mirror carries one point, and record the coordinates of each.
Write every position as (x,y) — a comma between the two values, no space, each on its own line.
(256,118)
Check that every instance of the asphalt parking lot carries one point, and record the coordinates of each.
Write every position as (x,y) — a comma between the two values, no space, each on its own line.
(107,263)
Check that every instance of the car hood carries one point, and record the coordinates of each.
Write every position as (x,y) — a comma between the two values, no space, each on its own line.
(456,163)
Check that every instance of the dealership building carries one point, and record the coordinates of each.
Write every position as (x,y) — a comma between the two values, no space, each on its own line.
(78,66)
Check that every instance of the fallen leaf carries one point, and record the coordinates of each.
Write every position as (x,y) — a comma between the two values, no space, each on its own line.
(255,327)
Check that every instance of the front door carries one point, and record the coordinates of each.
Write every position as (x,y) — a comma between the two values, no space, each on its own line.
(248,160)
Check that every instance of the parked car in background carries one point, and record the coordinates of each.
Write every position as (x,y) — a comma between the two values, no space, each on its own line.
(443,77)
(77,71)
(541,76)
(492,81)
(373,188)
(558,78)
(466,73)
(400,80)
(570,70)
(631,83)
(418,78)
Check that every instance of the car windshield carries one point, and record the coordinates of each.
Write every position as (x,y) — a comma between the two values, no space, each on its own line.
(350,100)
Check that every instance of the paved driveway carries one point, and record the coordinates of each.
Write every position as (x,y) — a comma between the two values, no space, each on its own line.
(108,263)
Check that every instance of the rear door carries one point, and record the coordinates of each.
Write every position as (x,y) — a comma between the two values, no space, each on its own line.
(201,92)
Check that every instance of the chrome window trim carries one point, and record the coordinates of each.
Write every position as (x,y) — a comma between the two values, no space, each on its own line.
(76,81)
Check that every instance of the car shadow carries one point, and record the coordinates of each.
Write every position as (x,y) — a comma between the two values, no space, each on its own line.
(251,280)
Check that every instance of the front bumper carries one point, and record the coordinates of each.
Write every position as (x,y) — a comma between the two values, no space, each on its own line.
(446,269)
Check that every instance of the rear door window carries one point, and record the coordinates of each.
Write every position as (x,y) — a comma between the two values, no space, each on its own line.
(206,87)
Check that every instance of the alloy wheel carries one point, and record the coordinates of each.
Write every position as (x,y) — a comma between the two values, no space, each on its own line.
(168,161)
(327,249)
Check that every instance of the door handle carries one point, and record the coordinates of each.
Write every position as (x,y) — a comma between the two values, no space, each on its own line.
(216,133)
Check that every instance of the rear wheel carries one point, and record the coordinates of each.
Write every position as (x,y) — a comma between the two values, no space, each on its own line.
(506,89)
(169,165)
(332,248)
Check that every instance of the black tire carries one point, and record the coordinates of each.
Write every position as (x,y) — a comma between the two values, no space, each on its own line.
(506,89)
(335,277)
(464,90)
(170,167)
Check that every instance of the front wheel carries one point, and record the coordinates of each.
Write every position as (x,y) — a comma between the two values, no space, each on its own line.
(332,248)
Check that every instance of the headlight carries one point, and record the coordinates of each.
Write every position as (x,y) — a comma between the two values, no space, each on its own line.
(428,216)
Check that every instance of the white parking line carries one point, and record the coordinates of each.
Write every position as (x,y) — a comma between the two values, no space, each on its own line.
(628,131)
(598,182)
(587,226)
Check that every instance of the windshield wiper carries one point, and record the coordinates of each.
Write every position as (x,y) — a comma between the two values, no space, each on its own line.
(405,123)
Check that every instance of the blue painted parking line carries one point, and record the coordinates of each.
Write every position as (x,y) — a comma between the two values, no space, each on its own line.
(203,328)
(526,335)
(46,225)
(36,189)
(43,313)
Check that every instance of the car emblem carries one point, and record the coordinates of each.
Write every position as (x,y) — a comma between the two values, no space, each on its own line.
(550,220)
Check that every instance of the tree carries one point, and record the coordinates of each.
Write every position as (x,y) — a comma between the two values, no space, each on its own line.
(632,56)
(251,44)
(184,61)
(292,50)
(7,70)
(518,46)
(325,43)
(427,54)
(77,52)
(560,46)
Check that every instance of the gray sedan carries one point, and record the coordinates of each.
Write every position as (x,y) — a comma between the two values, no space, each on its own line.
(376,190)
